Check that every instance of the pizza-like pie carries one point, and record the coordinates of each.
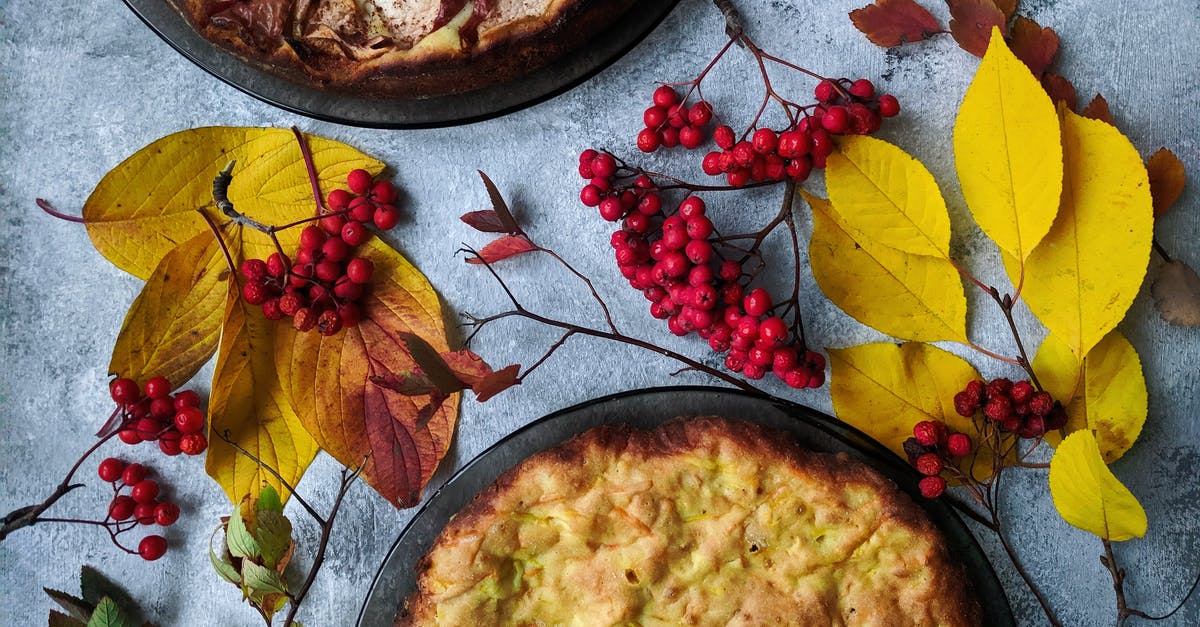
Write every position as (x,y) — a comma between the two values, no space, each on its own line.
(399,48)
(702,521)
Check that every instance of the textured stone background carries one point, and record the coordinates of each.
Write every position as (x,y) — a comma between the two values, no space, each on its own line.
(83,85)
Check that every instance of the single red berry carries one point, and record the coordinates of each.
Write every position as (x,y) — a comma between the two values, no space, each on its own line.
(162,408)
(348,290)
(355,234)
(964,406)
(699,252)
(927,433)
(304,319)
(836,120)
(255,292)
(335,250)
(327,271)
(1041,404)
(587,155)
(121,507)
(312,237)
(824,91)
(816,379)
(764,141)
(186,398)
(648,140)
(975,391)
(958,445)
(649,204)
(189,420)
(862,88)
(277,265)
(665,96)
(148,428)
(289,304)
(271,310)
(590,195)
(168,442)
(1057,419)
(386,217)
(110,469)
(929,464)
(822,146)
(152,547)
(129,436)
(1033,427)
(653,117)
(690,137)
(998,408)
(730,270)
(692,207)
(932,487)
(784,359)
(700,114)
(143,513)
(193,443)
(359,181)
(124,391)
(724,137)
(738,178)
(333,223)
(384,192)
(753,371)
(889,106)
(816,361)
(611,209)
(144,491)
(338,199)
(773,331)
(998,387)
(747,328)
(794,144)
(362,209)
(329,323)
(165,514)
(757,302)
(669,137)
(254,269)
(1021,392)
(699,227)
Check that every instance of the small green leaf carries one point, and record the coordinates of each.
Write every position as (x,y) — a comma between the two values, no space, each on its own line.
(238,538)
(76,607)
(109,614)
(274,535)
(58,619)
(224,567)
(260,580)
(268,500)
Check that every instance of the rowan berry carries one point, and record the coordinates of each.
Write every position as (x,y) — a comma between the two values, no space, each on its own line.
(168,442)
(998,387)
(604,166)
(958,445)
(148,428)
(271,310)
(254,269)
(162,408)
(724,137)
(189,420)
(836,120)
(1033,427)
(932,487)
(929,464)
(186,398)
(355,233)
(143,513)
(730,270)
(1041,404)
(110,469)
(312,237)
(669,137)
(764,141)
(277,265)
(144,491)
(121,507)
(338,199)
(165,514)
(359,181)
(998,408)
(816,361)
(193,443)
(350,313)
(757,302)
(329,322)
(665,96)
(975,391)
(889,106)
(794,144)
(129,436)
(737,178)
(698,251)
(824,91)
(773,331)
(799,168)
(927,432)
(255,292)
(124,391)
(796,378)
(152,547)
(862,88)
(690,137)
(648,140)
(964,405)
(700,114)
(384,192)
(386,217)
(611,209)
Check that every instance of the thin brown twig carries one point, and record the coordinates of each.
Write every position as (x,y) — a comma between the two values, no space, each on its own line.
(224,437)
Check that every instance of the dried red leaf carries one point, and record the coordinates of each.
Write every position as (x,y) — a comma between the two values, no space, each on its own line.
(499,206)
(503,248)
(1008,7)
(487,221)
(971,23)
(496,382)
(1166,179)
(1033,45)
(890,23)
(1059,88)
(431,363)
(1098,109)
(1177,294)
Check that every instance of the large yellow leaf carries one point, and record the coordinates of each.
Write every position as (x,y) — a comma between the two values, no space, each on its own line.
(1008,152)
(173,326)
(884,389)
(1082,278)
(1088,495)
(328,380)
(883,194)
(1111,399)
(908,296)
(249,405)
(147,205)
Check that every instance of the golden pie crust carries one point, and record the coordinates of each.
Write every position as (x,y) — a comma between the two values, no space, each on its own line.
(702,521)
(347,46)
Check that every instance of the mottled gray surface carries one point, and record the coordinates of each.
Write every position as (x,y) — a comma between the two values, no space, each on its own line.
(84,85)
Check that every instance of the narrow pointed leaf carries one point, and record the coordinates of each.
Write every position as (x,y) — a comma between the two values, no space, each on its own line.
(912,297)
(147,205)
(74,606)
(486,221)
(503,248)
(1008,152)
(886,195)
(496,382)
(499,206)
(1083,277)
(238,538)
(1088,495)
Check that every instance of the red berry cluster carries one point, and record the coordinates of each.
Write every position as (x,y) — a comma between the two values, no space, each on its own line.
(143,503)
(1015,407)
(932,449)
(669,257)
(671,122)
(176,421)
(322,288)
(843,108)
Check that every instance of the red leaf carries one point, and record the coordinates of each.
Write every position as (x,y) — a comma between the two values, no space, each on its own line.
(1098,109)
(496,382)
(503,248)
(972,21)
(1167,178)
(1059,89)
(1034,45)
(499,206)
(413,383)
(1008,7)
(890,23)
(487,221)
(431,363)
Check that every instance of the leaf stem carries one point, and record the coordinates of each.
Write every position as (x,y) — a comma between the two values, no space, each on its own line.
(49,208)
(311,167)
(1162,252)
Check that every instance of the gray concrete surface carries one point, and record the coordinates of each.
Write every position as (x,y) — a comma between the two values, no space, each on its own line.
(82,85)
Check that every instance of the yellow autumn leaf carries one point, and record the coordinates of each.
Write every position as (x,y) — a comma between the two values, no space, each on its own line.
(174,325)
(327,379)
(1084,275)
(1008,152)
(884,389)
(1111,400)
(1058,367)
(911,297)
(885,195)
(249,405)
(1088,495)
(147,205)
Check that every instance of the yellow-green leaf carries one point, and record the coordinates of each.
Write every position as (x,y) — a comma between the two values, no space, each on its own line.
(1111,399)
(1088,495)
(147,205)
(884,389)
(885,195)
(1008,152)
(174,325)
(1084,275)
(1058,367)
(911,297)
(249,405)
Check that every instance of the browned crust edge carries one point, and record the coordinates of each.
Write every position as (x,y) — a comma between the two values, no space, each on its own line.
(688,433)
(499,56)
